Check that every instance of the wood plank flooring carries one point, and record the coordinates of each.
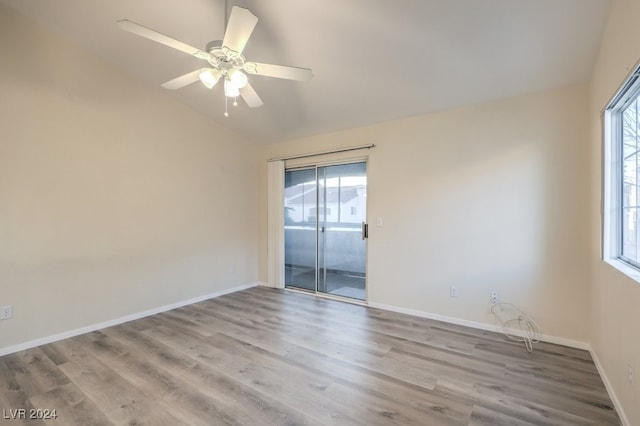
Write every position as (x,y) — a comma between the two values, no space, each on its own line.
(272,357)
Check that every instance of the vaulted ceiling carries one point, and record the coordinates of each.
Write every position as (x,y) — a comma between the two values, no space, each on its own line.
(373,60)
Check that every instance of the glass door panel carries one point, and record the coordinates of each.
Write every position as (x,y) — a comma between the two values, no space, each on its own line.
(300,201)
(341,246)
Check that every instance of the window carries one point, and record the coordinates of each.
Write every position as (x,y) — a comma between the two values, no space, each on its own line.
(622,175)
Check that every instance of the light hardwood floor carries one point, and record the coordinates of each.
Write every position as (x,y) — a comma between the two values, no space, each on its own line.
(266,356)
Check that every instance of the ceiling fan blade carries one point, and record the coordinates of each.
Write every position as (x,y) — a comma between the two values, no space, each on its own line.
(150,34)
(239,29)
(278,71)
(250,96)
(183,80)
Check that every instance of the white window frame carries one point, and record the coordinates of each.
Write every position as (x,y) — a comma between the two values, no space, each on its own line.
(612,177)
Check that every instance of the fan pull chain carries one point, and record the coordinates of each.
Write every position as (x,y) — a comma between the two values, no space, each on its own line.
(226,113)
(235,102)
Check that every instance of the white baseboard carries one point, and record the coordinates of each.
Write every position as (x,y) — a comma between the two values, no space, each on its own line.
(612,393)
(474,324)
(266,284)
(82,330)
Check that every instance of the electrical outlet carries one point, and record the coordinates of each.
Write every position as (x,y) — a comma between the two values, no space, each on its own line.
(453,291)
(6,312)
(494,297)
(630,374)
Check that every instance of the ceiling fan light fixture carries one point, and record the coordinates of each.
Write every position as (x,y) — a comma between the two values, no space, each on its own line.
(225,59)
(209,77)
(230,89)
(238,78)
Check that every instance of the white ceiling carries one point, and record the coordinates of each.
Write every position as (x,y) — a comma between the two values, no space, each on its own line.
(373,60)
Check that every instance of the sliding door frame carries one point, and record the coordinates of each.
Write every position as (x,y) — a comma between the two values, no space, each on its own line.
(309,164)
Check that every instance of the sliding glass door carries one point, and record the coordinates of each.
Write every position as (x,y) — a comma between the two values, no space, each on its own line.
(325,229)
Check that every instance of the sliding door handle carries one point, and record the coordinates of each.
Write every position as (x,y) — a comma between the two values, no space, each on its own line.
(365,230)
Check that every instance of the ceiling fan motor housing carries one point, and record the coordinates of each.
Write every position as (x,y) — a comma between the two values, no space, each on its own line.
(224,58)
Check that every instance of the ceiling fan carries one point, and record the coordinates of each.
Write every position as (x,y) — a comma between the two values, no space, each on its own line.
(225,59)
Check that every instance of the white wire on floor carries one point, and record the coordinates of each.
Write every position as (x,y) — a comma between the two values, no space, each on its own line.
(512,319)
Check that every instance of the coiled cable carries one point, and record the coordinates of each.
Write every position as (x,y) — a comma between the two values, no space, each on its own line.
(512,318)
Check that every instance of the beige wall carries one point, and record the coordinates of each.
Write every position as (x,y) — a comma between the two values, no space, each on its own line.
(488,197)
(114,198)
(615,306)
